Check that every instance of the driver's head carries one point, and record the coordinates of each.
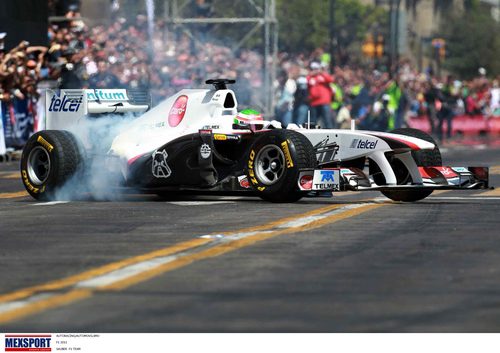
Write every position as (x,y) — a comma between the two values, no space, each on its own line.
(247,115)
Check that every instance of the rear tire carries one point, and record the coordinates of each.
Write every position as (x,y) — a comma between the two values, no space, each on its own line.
(423,158)
(49,159)
(274,162)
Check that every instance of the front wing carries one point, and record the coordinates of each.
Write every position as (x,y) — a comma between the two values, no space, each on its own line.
(354,179)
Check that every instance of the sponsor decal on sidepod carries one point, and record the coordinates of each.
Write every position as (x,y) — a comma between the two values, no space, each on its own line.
(160,168)
(176,113)
(243,180)
(363,144)
(205,151)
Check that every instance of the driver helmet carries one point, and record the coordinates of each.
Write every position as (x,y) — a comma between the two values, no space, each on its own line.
(248,115)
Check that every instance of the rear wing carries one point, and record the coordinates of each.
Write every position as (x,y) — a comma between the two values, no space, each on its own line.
(64,107)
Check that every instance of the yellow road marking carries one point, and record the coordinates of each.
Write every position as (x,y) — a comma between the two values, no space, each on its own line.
(11,195)
(71,280)
(190,244)
(231,246)
(42,305)
(287,219)
(494,192)
(495,170)
(14,175)
(219,249)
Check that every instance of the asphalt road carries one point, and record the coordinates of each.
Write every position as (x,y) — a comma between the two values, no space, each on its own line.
(354,262)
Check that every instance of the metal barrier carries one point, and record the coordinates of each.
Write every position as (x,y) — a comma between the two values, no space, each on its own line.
(462,125)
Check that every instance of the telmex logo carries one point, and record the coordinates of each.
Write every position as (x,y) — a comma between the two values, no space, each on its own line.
(327,175)
(367,144)
(68,103)
(106,94)
(28,343)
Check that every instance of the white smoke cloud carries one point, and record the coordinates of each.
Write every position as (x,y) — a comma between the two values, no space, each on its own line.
(99,174)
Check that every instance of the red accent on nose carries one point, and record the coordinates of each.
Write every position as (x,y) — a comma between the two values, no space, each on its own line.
(176,113)
(407,143)
(133,159)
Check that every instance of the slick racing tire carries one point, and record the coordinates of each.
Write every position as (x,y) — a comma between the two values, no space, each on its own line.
(274,161)
(49,159)
(423,158)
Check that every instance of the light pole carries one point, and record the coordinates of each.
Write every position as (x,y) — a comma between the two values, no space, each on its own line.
(332,35)
(394,6)
(396,35)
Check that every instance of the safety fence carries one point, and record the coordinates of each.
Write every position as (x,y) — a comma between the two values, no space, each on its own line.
(18,120)
(462,125)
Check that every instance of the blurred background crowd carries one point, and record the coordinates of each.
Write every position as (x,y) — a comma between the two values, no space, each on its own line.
(117,55)
(375,99)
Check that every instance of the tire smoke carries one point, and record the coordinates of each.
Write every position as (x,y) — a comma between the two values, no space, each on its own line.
(99,174)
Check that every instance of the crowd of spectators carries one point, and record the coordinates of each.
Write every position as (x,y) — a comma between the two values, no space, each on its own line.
(119,55)
(376,100)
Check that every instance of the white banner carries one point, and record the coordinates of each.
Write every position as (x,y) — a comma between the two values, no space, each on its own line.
(249,343)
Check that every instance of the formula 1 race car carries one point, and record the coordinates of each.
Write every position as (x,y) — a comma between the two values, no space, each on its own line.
(197,141)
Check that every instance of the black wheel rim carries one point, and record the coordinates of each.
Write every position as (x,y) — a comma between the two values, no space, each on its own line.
(270,164)
(38,165)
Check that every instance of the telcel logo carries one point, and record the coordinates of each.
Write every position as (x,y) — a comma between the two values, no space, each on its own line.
(66,104)
(29,343)
(367,144)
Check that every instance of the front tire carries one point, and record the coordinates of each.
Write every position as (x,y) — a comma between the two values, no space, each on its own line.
(49,159)
(274,162)
(423,158)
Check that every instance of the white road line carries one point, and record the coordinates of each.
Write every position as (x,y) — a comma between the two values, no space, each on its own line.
(306,220)
(212,236)
(126,272)
(198,203)
(135,269)
(18,304)
(110,278)
(49,203)
(241,235)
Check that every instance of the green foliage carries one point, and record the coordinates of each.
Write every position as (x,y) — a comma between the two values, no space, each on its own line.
(304,24)
(472,41)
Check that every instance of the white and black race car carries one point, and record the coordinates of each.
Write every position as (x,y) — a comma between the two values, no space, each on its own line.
(197,141)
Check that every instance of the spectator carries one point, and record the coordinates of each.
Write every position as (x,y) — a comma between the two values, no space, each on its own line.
(402,107)
(448,101)
(430,95)
(495,98)
(284,105)
(103,78)
(381,114)
(301,101)
(344,116)
(320,95)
